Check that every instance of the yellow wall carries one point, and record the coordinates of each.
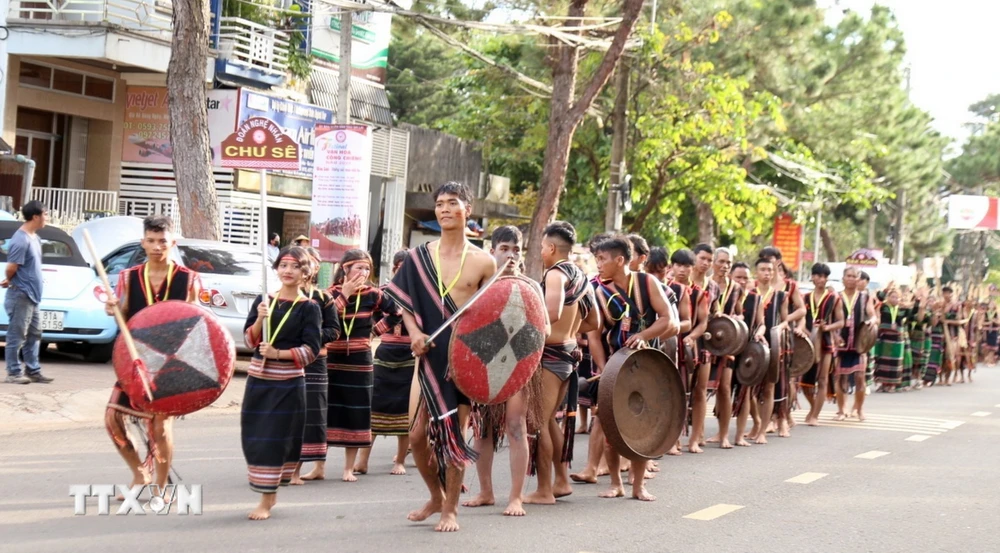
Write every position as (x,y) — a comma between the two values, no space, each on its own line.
(104,143)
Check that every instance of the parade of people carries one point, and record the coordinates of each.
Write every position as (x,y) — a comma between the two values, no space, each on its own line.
(469,276)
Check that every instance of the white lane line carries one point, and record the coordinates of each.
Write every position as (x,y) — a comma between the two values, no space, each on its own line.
(955,425)
(714,512)
(918,438)
(806,478)
(981,414)
(873,454)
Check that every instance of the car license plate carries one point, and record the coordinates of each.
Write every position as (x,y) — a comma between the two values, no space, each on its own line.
(52,320)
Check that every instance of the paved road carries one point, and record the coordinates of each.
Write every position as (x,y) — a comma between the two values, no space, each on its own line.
(940,493)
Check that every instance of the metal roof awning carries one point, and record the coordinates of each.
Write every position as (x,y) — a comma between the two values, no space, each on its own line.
(5,149)
(368,102)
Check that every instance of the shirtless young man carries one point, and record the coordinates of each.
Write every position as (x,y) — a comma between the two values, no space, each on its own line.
(753,316)
(683,263)
(158,279)
(569,302)
(505,246)
(728,302)
(775,305)
(434,281)
(827,319)
(634,313)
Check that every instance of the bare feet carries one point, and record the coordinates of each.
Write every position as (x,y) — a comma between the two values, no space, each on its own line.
(641,494)
(398,468)
(316,474)
(584,477)
(349,476)
(724,444)
(479,501)
(742,442)
(812,421)
(559,491)
(653,466)
(840,417)
(538,498)
(693,447)
(514,509)
(860,415)
(579,430)
(361,469)
(140,480)
(263,510)
(603,470)
(448,523)
(675,451)
(761,440)
(713,440)
(613,492)
(791,422)
(297,480)
(427,510)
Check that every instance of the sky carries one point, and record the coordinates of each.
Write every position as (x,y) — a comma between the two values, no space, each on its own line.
(951,48)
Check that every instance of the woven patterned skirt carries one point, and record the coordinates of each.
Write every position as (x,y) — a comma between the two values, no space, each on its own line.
(934,358)
(349,417)
(317,387)
(391,393)
(890,353)
(272,421)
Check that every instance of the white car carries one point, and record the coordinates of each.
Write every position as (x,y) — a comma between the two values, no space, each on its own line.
(230,273)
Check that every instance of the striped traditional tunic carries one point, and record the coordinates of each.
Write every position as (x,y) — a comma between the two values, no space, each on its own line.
(350,365)
(272,419)
(317,383)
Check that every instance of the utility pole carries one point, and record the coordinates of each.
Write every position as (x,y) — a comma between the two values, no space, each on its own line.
(344,92)
(613,216)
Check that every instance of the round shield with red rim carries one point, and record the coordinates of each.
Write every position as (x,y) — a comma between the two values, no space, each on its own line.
(187,353)
(496,345)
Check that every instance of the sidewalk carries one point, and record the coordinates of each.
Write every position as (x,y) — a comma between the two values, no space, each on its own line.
(79,395)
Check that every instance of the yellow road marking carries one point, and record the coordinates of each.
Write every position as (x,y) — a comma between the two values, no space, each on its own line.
(714,512)
(918,438)
(807,478)
(873,454)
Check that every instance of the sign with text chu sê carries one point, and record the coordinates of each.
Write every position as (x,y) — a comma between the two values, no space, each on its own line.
(259,143)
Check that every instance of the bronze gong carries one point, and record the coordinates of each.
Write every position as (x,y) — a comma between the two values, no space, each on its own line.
(669,347)
(722,337)
(864,341)
(641,403)
(752,364)
(803,357)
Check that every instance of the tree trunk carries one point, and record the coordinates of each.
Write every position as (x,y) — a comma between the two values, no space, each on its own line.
(828,245)
(564,117)
(872,215)
(192,156)
(706,221)
(613,219)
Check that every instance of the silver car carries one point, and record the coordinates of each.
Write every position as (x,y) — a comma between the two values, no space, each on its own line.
(230,273)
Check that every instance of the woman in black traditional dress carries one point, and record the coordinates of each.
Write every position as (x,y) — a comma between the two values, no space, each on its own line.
(349,358)
(272,420)
(317,384)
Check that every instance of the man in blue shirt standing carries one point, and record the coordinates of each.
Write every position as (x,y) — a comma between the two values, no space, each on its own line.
(24,293)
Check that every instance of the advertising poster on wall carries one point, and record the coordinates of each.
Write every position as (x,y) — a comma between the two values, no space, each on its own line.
(341,173)
(296,120)
(146,126)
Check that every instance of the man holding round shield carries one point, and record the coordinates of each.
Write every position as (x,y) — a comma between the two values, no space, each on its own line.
(436,279)
(158,279)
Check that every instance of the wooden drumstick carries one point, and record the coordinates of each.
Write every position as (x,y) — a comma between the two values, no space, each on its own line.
(119,318)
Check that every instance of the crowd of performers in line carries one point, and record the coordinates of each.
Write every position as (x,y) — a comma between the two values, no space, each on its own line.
(315,380)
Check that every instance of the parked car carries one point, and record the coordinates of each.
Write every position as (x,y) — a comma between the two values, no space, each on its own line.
(230,273)
(72,306)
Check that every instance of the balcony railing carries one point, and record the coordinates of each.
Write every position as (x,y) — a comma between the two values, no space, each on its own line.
(150,17)
(69,207)
(253,46)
